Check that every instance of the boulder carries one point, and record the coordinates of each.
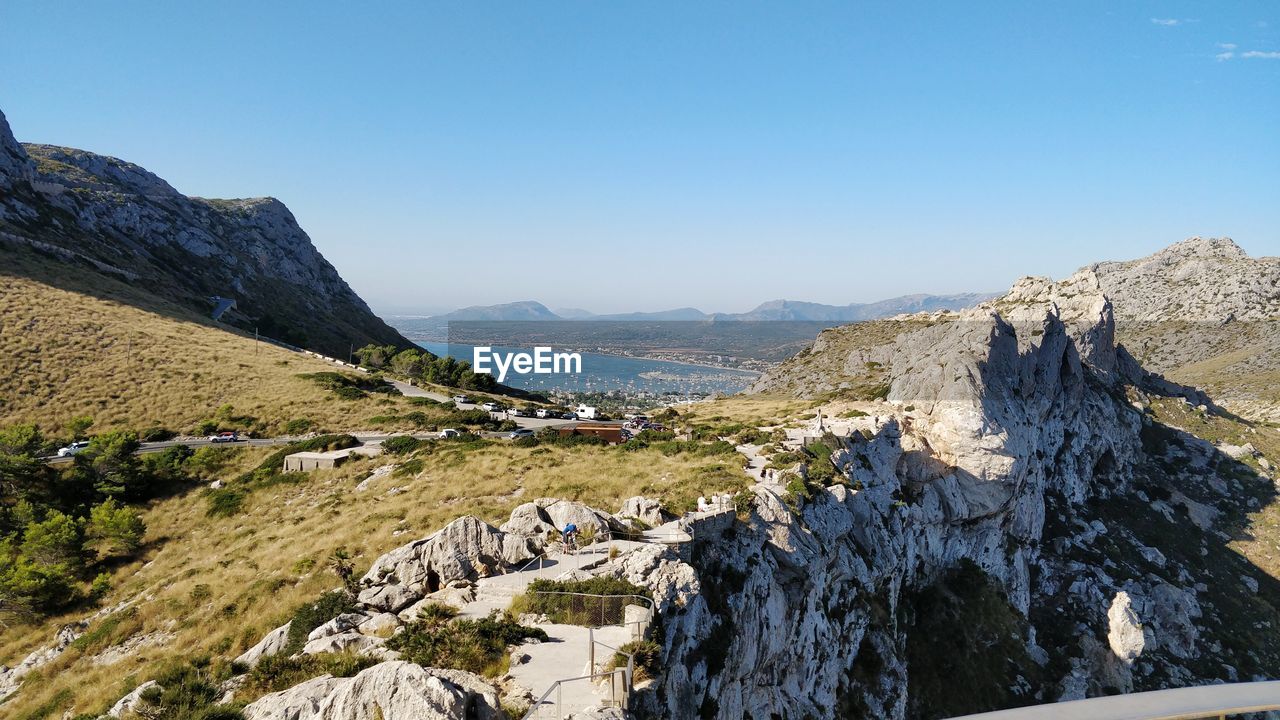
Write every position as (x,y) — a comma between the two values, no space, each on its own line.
(11,678)
(345,622)
(400,690)
(1125,634)
(528,519)
(352,642)
(380,625)
(564,512)
(126,704)
(465,549)
(388,597)
(644,509)
(299,702)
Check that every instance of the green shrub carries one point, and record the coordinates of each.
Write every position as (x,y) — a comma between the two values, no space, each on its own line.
(206,427)
(350,393)
(646,654)
(156,434)
(477,646)
(401,444)
(542,598)
(187,691)
(314,614)
(297,426)
(224,502)
(274,673)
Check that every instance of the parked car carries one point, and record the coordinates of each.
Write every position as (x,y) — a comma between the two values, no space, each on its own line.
(517,412)
(461,399)
(224,437)
(449,433)
(543,413)
(492,407)
(73,448)
(520,433)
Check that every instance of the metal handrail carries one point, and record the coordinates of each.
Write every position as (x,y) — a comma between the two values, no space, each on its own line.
(646,603)
(557,686)
(628,679)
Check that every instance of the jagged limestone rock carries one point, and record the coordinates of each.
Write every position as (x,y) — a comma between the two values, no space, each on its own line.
(528,519)
(563,512)
(129,702)
(465,549)
(1126,634)
(299,702)
(403,691)
(648,510)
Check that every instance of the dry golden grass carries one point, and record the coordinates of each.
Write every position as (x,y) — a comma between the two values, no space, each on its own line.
(218,584)
(129,362)
(760,410)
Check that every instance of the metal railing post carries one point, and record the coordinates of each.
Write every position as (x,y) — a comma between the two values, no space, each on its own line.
(591,655)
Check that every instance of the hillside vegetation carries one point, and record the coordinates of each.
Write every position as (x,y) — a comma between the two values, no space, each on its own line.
(91,346)
(210,585)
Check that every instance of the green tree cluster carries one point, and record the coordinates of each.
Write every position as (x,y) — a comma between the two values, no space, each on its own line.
(61,525)
(425,366)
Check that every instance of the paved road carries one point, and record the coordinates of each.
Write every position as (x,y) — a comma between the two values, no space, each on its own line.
(405,388)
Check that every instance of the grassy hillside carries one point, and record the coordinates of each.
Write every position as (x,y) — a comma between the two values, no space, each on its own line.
(82,344)
(213,585)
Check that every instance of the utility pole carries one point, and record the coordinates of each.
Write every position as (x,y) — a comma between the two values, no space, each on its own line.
(255,340)
(351,353)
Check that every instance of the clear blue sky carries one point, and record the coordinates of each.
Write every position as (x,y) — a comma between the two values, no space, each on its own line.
(621,156)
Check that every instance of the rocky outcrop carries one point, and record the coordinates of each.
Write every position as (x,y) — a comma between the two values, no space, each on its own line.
(299,702)
(1004,436)
(125,705)
(562,513)
(1201,312)
(393,690)
(1197,280)
(270,644)
(529,519)
(11,678)
(646,510)
(465,549)
(15,165)
(1125,633)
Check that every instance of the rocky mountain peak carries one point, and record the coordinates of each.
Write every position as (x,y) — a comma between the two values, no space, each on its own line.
(74,168)
(14,162)
(1196,280)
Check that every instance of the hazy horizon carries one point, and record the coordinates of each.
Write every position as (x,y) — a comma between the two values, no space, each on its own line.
(622,158)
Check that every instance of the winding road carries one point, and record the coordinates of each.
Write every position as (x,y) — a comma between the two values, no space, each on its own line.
(365,437)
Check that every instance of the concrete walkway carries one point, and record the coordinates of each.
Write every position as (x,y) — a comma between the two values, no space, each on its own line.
(568,651)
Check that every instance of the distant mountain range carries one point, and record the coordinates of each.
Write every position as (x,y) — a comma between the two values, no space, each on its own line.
(790,310)
(753,340)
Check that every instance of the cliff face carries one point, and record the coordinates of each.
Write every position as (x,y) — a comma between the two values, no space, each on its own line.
(117,215)
(1011,527)
(1201,312)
